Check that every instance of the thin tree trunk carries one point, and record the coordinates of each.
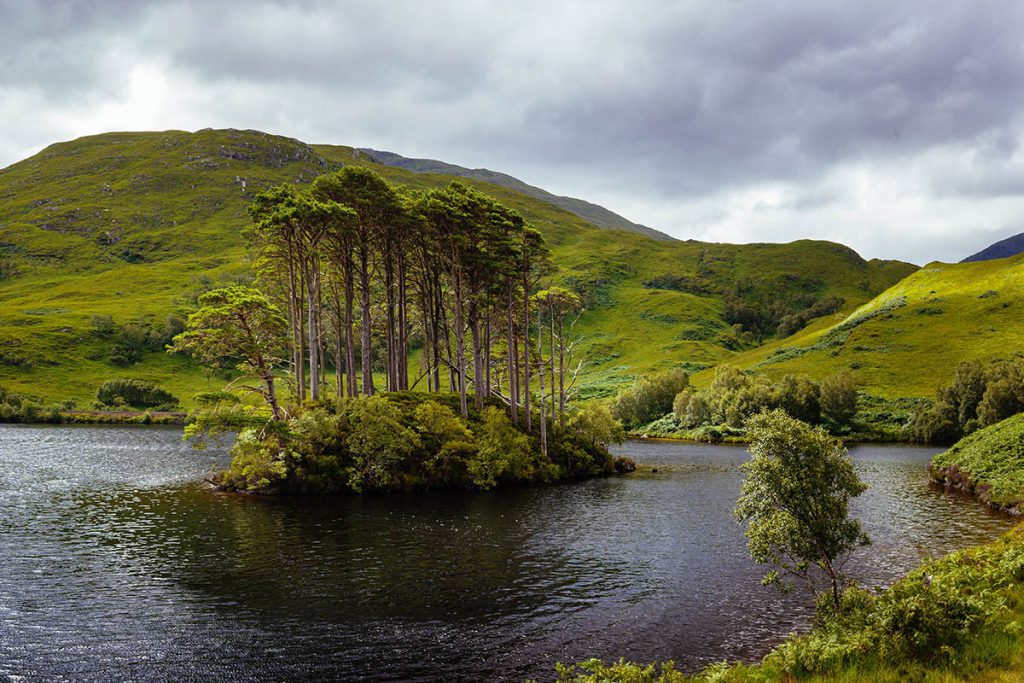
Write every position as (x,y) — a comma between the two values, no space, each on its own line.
(561,374)
(350,349)
(460,346)
(551,315)
(268,378)
(487,352)
(339,350)
(513,388)
(314,342)
(540,375)
(366,353)
(474,328)
(403,326)
(526,354)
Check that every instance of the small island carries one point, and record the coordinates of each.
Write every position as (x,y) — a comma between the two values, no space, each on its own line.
(468,270)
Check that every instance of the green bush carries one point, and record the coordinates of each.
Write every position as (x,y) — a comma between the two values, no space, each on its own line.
(733,397)
(649,398)
(839,399)
(258,463)
(504,454)
(978,396)
(400,441)
(377,441)
(135,393)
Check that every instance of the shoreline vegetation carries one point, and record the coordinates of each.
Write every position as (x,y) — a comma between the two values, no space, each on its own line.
(958,617)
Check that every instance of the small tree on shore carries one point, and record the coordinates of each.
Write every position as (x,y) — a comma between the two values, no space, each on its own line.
(795,500)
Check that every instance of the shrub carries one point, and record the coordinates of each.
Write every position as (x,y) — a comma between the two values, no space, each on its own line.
(649,398)
(978,396)
(257,464)
(839,399)
(936,424)
(135,393)
(377,441)
(505,453)
(595,425)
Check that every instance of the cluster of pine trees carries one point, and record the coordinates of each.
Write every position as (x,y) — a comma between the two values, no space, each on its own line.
(364,273)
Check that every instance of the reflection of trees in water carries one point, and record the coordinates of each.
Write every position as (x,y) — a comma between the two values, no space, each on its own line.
(429,556)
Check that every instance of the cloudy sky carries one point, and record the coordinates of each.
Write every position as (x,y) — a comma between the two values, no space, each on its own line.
(894,127)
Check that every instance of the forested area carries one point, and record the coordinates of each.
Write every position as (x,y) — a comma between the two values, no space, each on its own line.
(362,289)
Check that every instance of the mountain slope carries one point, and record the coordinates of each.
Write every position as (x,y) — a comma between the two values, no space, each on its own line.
(908,340)
(598,215)
(1011,246)
(128,228)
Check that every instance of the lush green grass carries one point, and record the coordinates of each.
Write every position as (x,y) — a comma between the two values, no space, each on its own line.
(907,341)
(133,225)
(988,463)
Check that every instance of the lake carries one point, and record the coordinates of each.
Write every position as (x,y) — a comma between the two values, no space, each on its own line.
(117,562)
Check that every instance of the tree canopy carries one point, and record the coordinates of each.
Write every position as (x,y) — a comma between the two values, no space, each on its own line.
(795,500)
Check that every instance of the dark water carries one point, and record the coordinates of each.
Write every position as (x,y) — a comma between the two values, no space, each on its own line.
(116,564)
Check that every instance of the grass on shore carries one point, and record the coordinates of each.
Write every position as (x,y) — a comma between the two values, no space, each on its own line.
(988,463)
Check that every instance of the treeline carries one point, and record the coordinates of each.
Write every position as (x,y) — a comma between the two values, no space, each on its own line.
(979,396)
(353,277)
(734,396)
(364,272)
(17,408)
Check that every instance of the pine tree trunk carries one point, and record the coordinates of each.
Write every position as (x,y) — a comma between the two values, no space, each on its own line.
(364,294)
(513,389)
(350,349)
(543,401)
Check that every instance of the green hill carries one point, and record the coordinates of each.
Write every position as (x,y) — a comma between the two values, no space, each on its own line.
(130,227)
(908,340)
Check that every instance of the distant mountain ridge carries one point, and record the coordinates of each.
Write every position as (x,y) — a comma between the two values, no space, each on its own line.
(598,215)
(1011,246)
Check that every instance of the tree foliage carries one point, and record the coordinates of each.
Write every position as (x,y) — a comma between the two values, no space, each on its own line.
(733,397)
(978,396)
(649,398)
(135,393)
(238,326)
(795,500)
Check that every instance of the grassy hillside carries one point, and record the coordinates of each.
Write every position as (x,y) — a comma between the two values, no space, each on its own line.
(988,463)
(908,340)
(133,226)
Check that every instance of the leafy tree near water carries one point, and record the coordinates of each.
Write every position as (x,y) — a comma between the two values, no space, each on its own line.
(795,500)
(978,396)
(649,398)
(239,326)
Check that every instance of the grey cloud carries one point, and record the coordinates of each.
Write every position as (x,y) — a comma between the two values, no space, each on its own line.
(660,102)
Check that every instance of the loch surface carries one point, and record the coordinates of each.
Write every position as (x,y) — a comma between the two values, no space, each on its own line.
(116,562)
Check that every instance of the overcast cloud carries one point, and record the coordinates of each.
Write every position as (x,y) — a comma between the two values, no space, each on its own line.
(894,127)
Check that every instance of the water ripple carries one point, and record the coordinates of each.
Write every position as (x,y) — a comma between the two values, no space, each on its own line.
(117,564)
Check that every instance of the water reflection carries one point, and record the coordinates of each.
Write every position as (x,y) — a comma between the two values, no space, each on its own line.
(117,564)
